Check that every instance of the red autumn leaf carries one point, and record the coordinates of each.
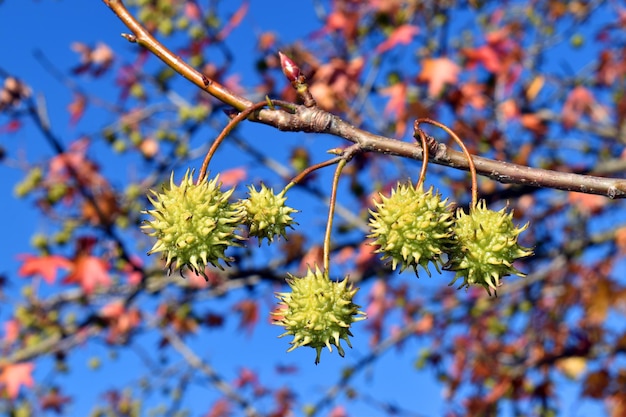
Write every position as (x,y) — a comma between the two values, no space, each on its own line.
(534,123)
(402,35)
(11,127)
(102,56)
(378,303)
(246,377)
(338,411)
(73,164)
(96,60)
(397,98)
(192,10)
(587,204)
(438,72)
(46,266)
(485,55)
(286,369)
(365,256)
(313,257)
(76,108)
(609,69)
(344,255)
(339,21)
(133,270)
(54,401)
(396,105)
(11,331)
(89,272)
(221,408)
(13,376)
(213,320)
(120,319)
(249,311)
(232,177)
(235,20)
(578,103)
(112,310)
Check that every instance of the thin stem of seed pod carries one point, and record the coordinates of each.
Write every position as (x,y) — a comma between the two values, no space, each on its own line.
(470,161)
(244,114)
(312,168)
(425,153)
(331,213)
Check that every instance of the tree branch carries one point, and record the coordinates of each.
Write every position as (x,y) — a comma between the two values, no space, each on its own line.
(315,120)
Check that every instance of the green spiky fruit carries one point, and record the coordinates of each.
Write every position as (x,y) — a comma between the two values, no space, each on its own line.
(266,214)
(318,312)
(194,224)
(485,247)
(412,227)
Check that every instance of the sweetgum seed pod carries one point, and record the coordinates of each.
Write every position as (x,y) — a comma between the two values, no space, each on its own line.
(412,227)
(317,312)
(193,224)
(266,214)
(485,247)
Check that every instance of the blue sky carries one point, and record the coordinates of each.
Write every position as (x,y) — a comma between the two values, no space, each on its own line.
(51,27)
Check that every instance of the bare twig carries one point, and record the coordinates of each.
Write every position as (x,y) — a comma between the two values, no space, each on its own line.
(219,382)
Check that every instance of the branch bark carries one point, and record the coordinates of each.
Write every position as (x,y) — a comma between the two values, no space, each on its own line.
(315,120)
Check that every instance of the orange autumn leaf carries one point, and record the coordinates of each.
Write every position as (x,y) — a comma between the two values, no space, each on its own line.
(313,257)
(396,105)
(587,203)
(509,109)
(366,256)
(535,86)
(534,123)
(192,10)
(578,103)
(235,20)
(121,320)
(403,35)
(11,330)
(45,266)
(232,177)
(620,239)
(89,272)
(13,376)
(76,108)
(485,55)
(344,255)
(249,311)
(438,72)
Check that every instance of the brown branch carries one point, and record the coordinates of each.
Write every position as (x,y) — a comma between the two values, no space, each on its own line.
(315,120)
(144,38)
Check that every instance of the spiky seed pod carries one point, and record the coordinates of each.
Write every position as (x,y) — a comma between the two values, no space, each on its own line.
(485,247)
(412,227)
(318,312)
(194,224)
(266,214)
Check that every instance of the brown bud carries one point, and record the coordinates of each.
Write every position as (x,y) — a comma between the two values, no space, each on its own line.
(290,69)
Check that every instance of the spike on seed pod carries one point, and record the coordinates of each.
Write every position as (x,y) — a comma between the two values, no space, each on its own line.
(193,224)
(485,247)
(317,312)
(412,227)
